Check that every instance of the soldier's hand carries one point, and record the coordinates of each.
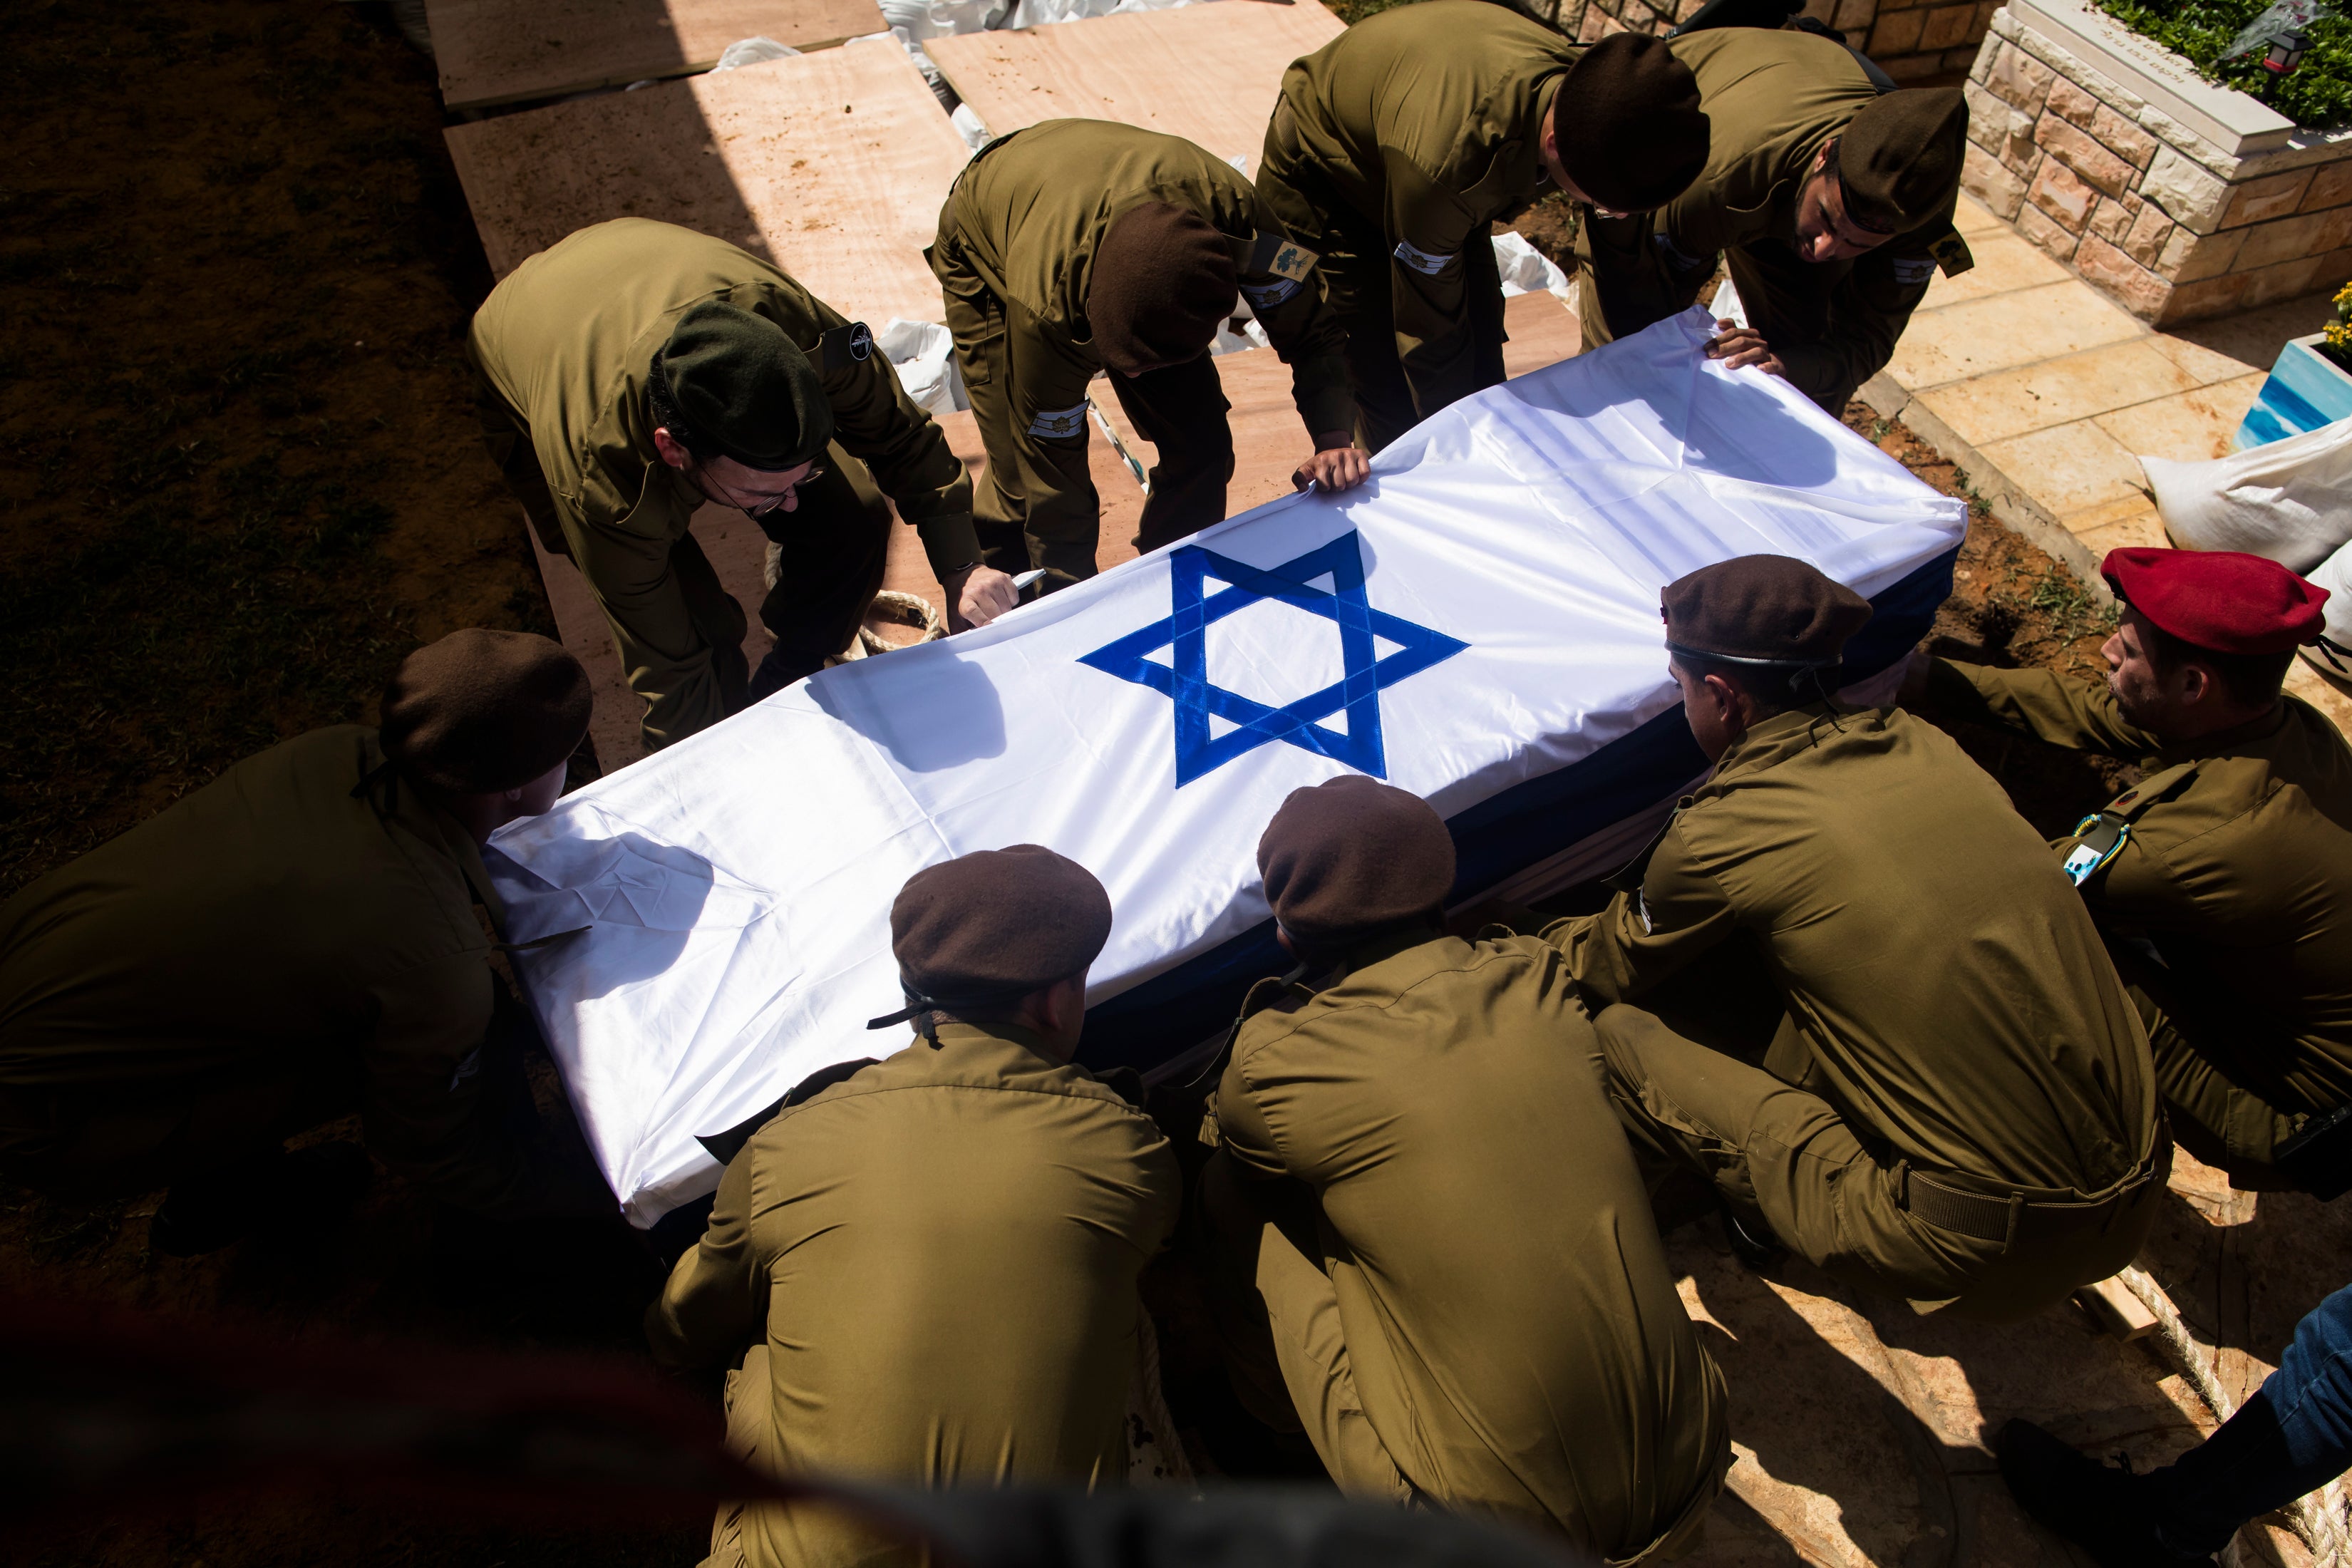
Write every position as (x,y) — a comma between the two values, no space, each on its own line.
(1739,347)
(977,595)
(1337,465)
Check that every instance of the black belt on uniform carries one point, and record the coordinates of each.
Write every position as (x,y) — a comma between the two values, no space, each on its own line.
(1937,1201)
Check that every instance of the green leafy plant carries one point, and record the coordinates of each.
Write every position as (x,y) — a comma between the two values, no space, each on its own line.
(2317,94)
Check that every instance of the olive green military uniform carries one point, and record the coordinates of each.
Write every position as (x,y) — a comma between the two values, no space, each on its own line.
(1957,1104)
(278,949)
(566,346)
(2238,871)
(934,1265)
(1014,258)
(1773,99)
(1393,150)
(1451,1254)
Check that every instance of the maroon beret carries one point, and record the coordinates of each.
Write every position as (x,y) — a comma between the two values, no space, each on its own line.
(1352,855)
(1162,279)
(995,925)
(1769,609)
(2220,600)
(483,711)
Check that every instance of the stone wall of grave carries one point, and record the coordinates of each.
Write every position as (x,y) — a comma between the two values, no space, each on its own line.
(1908,39)
(2154,214)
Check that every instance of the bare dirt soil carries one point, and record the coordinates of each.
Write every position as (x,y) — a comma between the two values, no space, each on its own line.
(240,477)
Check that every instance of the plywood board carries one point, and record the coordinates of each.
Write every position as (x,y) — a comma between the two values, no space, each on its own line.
(510,51)
(832,165)
(1209,73)
(1269,442)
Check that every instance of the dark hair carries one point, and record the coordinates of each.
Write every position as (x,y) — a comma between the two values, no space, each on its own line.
(664,406)
(2248,679)
(1774,688)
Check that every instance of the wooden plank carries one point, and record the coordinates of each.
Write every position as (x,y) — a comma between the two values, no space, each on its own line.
(832,165)
(2116,1308)
(509,51)
(1268,439)
(1209,73)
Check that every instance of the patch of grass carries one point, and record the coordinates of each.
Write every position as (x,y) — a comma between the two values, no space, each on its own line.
(2317,94)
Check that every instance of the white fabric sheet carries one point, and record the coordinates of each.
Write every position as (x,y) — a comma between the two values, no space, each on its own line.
(734,889)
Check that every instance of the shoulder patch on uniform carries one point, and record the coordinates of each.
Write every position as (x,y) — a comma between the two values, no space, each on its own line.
(1951,254)
(843,346)
(1913,271)
(1059,424)
(1421,260)
(1277,255)
(1265,296)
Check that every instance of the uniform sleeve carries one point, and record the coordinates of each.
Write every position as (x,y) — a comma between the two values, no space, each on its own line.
(445,1107)
(1306,332)
(2036,702)
(2141,891)
(1047,434)
(1242,1129)
(1868,310)
(716,1300)
(876,423)
(629,569)
(1644,938)
(1427,228)
(423,1106)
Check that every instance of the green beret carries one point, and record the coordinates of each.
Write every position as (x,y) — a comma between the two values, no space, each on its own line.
(1899,160)
(737,380)
(1762,609)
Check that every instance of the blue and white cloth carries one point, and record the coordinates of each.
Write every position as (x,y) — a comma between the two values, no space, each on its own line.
(1478,624)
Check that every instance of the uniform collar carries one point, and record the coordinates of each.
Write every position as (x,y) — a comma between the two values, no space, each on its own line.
(2223,742)
(394,798)
(1778,738)
(1002,1036)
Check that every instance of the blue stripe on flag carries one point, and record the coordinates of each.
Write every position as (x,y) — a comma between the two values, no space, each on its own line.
(1171,1013)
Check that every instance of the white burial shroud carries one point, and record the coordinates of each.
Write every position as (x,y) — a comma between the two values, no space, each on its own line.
(1477,624)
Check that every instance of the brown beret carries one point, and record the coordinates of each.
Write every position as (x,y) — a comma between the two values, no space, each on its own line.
(1899,158)
(737,379)
(484,710)
(1163,277)
(988,928)
(1351,855)
(1762,609)
(1628,124)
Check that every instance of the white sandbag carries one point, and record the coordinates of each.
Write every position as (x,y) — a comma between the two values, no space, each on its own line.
(1525,269)
(2335,575)
(752,51)
(1037,13)
(2289,500)
(923,353)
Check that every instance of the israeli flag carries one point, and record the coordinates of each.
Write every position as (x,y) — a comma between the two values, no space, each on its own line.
(1477,624)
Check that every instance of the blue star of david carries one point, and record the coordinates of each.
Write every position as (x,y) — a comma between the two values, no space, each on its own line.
(1187,683)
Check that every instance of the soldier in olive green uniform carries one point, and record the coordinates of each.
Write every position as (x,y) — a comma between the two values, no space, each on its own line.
(1956,1104)
(637,369)
(2224,877)
(1397,146)
(1076,246)
(1427,1236)
(933,1261)
(1830,204)
(295,941)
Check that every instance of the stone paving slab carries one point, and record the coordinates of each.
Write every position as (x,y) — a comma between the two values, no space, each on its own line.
(2048,394)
